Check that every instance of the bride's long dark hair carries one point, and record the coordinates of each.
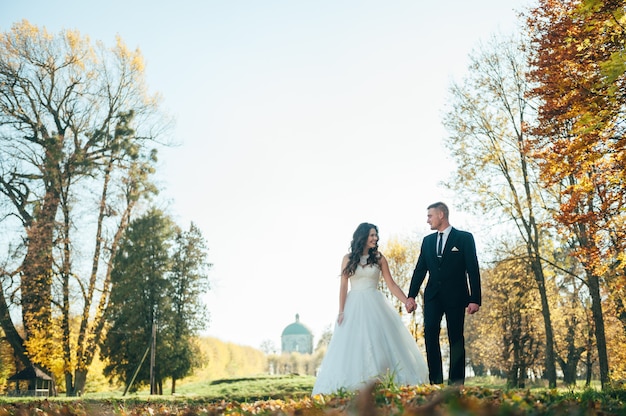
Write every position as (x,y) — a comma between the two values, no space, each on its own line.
(359,239)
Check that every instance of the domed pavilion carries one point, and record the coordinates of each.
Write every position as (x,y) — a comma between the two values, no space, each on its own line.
(296,337)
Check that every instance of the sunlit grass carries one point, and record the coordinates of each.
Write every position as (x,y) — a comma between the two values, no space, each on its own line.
(260,387)
(492,382)
(251,388)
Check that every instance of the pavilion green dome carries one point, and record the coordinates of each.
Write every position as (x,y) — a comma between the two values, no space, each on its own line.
(296,328)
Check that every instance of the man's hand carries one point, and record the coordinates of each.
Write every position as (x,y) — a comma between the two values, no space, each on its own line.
(410,305)
(472,308)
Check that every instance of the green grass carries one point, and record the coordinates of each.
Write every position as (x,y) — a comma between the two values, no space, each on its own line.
(236,390)
(264,387)
(243,389)
(250,388)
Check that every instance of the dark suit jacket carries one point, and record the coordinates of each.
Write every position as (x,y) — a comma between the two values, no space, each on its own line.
(455,277)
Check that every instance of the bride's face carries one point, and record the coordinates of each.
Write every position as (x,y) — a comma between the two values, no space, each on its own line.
(372,239)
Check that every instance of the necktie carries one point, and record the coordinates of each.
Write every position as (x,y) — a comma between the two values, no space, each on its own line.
(440,245)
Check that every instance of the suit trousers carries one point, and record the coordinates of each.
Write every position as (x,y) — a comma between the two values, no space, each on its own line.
(434,311)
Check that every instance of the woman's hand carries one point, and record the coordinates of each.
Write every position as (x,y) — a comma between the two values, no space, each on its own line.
(340,318)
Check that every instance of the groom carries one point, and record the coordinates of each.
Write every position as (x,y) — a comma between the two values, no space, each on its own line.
(449,257)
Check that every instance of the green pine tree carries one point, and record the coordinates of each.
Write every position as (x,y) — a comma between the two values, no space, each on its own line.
(189,280)
(160,274)
(140,299)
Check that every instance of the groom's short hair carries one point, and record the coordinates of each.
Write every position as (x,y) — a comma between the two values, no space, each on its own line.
(441,207)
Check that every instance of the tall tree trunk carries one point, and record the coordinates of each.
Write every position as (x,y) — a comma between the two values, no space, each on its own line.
(83,352)
(69,384)
(91,331)
(534,252)
(512,377)
(547,320)
(593,282)
(589,369)
(598,319)
(65,305)
(80,380)
(153,385)
(36,271)
(10,332)
(569,364)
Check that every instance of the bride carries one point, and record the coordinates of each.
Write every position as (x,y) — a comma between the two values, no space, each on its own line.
(370,341)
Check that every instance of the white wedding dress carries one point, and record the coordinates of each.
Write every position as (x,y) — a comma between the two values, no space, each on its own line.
(371,343)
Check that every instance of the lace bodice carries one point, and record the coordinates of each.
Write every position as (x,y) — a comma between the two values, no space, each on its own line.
(365,276)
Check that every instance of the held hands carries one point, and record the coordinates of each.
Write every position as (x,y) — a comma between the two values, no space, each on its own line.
(472,308)
(410,305)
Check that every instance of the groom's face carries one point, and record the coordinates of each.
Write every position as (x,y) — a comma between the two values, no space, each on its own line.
(435,218)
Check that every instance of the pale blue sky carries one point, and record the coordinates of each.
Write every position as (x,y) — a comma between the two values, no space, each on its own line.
(297,121)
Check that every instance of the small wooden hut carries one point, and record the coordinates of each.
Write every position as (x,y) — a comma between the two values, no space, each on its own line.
(31,381)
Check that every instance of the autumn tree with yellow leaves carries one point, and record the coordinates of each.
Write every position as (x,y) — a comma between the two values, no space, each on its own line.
(77,130)
(507,337)
(579,67)
(495,175)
